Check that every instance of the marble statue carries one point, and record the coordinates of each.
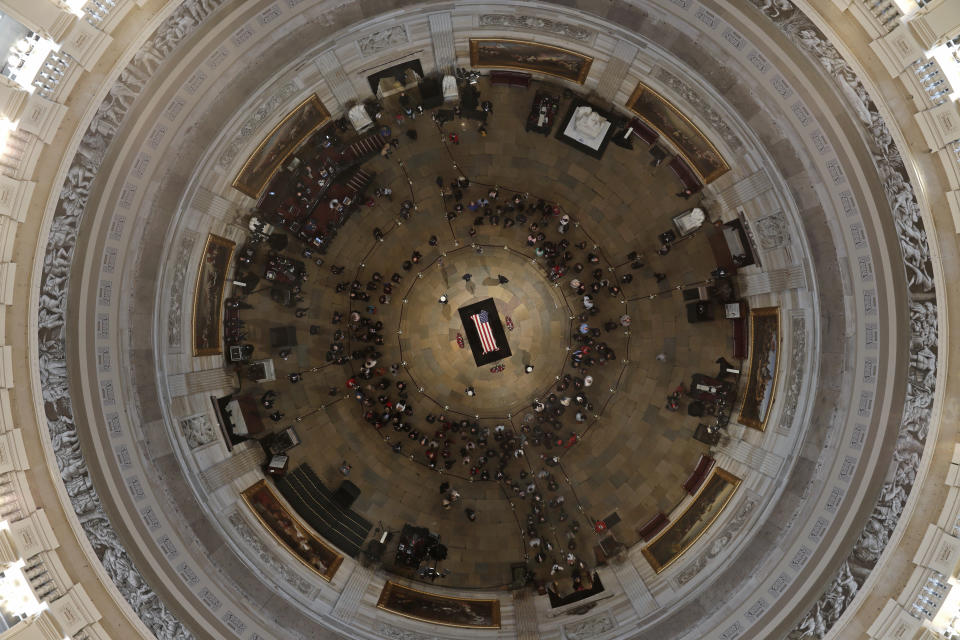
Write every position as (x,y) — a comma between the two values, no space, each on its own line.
(588,122)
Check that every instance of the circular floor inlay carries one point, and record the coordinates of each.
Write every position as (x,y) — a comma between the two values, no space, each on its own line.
(527,302)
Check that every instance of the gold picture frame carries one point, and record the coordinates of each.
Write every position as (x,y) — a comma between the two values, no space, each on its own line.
(761,387)
(279,144)
(438,609)
(660,114)
(683,532)
(295,536)
(208,291)
(525,55)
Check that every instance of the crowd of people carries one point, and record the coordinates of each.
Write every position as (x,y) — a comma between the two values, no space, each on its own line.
(521,454)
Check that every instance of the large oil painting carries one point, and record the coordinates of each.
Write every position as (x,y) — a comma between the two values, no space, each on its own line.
(690,525)
(269,156)
(430,607)
(695,148)
(499,53)
(208,296)
(288,530)
(762,378)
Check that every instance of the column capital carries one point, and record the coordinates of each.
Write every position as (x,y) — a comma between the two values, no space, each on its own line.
(898,49)
(32,535)
(940,125)
(74,610)
(12,99)
(893,622)
(42,626)
(936,23)
(84,43)
(938,551)
(43,16)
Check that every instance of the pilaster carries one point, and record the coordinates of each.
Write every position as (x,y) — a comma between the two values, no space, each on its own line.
(744,190)
(210,380)
(526,615)
(14,197)
(893,623)
(13,455)
(84,43)
(40,627)
(209,203)
(898,49)
(42,16)
(74,610)
(336,78)
(244,459)
(751,455)
(41,117)
(349,601)
(6,367)
(772,281)
(32,535)
(616,70)
(444,51)
(936,24)
(938,551)
(12,99)
(940,125)
(637,592)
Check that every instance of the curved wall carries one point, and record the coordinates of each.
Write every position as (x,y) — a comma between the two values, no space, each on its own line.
(799,156)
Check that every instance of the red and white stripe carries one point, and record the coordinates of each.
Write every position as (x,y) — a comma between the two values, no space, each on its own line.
(487,340)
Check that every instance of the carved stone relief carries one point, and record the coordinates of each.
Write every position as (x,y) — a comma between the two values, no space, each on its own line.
(52,329)
(253,543)
(198,430)
(922,373)
(396,633)
(773,231)
(253,122)
(701,105)
(798,341)
(179,281)
(535,23)
(590,628)
(720,542)
(383,40)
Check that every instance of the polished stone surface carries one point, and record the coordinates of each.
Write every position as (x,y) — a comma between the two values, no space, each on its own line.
(631,458)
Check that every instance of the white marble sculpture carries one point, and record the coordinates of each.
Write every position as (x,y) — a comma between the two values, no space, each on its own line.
(588,122)
(450,91)
(359,117)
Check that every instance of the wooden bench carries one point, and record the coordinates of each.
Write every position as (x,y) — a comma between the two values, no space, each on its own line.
(647,134)
(510,78)
(653,526)
(740,338)
(686,175)
(699,474)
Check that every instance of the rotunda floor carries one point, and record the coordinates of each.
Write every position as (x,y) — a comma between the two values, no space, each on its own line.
(631,455)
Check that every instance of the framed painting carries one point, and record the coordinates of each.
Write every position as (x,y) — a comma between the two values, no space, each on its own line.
(657,112)
(287,529)
(208,296)
(500,53)
(709,502)
(764,358)
(437,609)
(273,151)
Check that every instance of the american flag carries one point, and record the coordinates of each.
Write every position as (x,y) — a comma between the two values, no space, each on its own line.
(482,322)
